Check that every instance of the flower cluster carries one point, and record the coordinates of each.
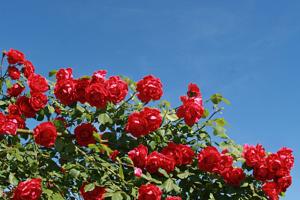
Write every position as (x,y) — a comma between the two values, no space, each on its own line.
(273,169)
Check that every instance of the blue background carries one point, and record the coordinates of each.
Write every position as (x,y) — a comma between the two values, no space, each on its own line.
(246,50)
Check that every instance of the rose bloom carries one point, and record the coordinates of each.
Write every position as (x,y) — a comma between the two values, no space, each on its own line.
(261,172)
(15,90)
(208,159)
(64,74)
(274,163)
(193,91)
(18,120)
(38,100)
(173,151)
(284,182)
(13,72)
(96,194)
(8,127)
(233,176)
(270,189)
(138,156)
(96,95)
(14,56)
(224,164)
(149,88)
(13,109)
(28,190)
(37,83)
(149,192)
(84,134)
(173,198)
(137,125)
(28,69)
(25,107)
(254,155)
(45,134)
(187,154)
(157,160)
(117,89)
(153,117)
(65,91)
(99,76)
(81,85)
(286,155)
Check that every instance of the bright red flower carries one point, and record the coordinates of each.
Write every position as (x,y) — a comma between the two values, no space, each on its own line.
(254,155)
(38,83)
(193,91)
(84,134)
(14,57)
(137,125)
(138,156)
(15,90)
(81,86)
(97,95)
(38,100)
(261,172)
(7,126)
(28,190)
(173,198)
(95,194)
(99,76)
(187,154)
(65,91)
(18,120)
(45,134)
(25,107)
(274,163)
(173,151)
(233,176)
(117,89)
(64,74)
(114,155)
(28,69)
(224,164)
(149,88)
(286,155)
(157,160)
(13,72)
(149,192)
(208,159)
(13,109)
(270,189)
(284,182)
(153,117)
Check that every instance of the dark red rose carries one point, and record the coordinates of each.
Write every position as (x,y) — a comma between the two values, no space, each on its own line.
(233,176)
(173,198)
(65,91)
(99,76)
(13,109)
(149,192)
(193,91)
(187,154)
(84,134)
(28,69)
(274,163)
(261,172)
(25,107)
(284,182)
(14,57)
(18,120)
(157,160)
(13,72)
(96,95)
(96,194)
(45,134)
(137,125)
(139,156)
(81,86)
(254,155)
(270,189)
(37,83)
(153,117)
(28,190)
(286,155)
(149,88)
(15,90)
(117,89)
(191,110)
(114,155)
(208,159)
(173,151)
(64,74)
(168,163)
(38,100)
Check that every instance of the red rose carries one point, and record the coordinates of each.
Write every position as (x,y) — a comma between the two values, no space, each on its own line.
(45,134)
(96,194)
(149,88)
(270,189)
(28,190)
(38,101)
(173,151)
(99,76)
(284,182)
(117,89)
(7,126)
(224,164)
(274,163)
(157,160)
(15,90)
(114,155)
(193,91)
(65,91)
(64,74)
(233,176)
(153,117)
(286,155)
(18,120)
(13,109)
(37,83)
(139,156)
(25,107)
(168,163)
(13,72)
(96,95)
(254,155)
(149,192)
(84,134)
(137,125)
(28,69)
(81,85)
(261,172)
(191,110)
(173,198)
(208,159)
(15,57)
(187,154)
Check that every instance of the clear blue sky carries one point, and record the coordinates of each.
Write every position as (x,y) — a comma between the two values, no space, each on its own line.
(246,50)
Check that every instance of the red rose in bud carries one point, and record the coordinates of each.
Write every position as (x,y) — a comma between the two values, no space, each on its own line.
(38,83)
(96,194)
(64,74)
(81,86)
(254,155)
(117,89)
(139,156)
(284,182)
(137,125)
(149,88)
(187,154)
(28,190)
(84,134)
(153,117)
(25,107)
(99,76)
(96,95)
(14,57)
(114,155)
(28,69)
(45,134)
(286,155)
(208,159)
(65,91)
(15,90)
(13,73)
(193,91)
(173,151)
(13,109)
(191,110)
(173,198)
(38,100)
(270,189)
(138,172)
(233,176)
(261,172)
(149,192)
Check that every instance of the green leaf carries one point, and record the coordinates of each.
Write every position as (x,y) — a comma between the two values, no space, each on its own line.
(163,172)
(89,187)
(169,186)
(220,122)
(117,196)
(12,179)
(74,173)
(121,173)
(2,103)
(57,196)
(172,117)
(216,98)
(52,73)
(104,119)
(220,132)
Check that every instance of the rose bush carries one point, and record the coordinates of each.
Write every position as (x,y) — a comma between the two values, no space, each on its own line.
(97,137)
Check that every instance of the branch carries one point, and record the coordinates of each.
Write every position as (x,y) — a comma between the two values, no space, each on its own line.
(24,131)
